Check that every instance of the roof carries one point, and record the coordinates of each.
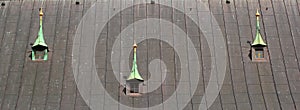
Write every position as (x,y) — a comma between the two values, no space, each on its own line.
(247,85)
(134,74)
(40,38)
(258,39)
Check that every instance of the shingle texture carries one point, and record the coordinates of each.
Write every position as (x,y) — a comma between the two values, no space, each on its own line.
(50,85)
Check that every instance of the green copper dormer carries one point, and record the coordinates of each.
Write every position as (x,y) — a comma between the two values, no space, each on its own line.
(134,71)
(39,48)
(258,39)
(258,47)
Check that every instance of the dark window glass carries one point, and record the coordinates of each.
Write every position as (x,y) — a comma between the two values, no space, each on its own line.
(259,53)
(134,88)
(39,54)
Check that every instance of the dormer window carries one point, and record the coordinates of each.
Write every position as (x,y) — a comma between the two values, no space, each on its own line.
(134,88)
(134,80)
(39,48)
(39,53)
(258,47)
(259,53)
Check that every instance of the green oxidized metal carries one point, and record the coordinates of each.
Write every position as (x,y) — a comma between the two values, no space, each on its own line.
(40,44)
(258,39)
(134,71)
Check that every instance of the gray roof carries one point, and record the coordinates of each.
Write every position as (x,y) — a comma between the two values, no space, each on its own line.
(271,85)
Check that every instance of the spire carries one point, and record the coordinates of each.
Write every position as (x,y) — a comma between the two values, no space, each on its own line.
(258,39)
(39,44)
(134,71)
(40,38)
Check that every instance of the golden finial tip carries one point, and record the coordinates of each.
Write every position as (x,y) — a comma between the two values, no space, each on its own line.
(134,45)
(41,12)
(257,13)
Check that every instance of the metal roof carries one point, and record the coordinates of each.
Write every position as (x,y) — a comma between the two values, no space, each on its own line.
(272,85)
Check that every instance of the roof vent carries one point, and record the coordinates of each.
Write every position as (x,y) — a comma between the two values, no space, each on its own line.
(2,4)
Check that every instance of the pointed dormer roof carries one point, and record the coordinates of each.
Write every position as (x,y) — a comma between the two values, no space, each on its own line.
(134,71)
(258,39)
(40,38)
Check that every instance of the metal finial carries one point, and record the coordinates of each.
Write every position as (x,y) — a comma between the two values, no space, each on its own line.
(134,44)
(41,12)
(257,13)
